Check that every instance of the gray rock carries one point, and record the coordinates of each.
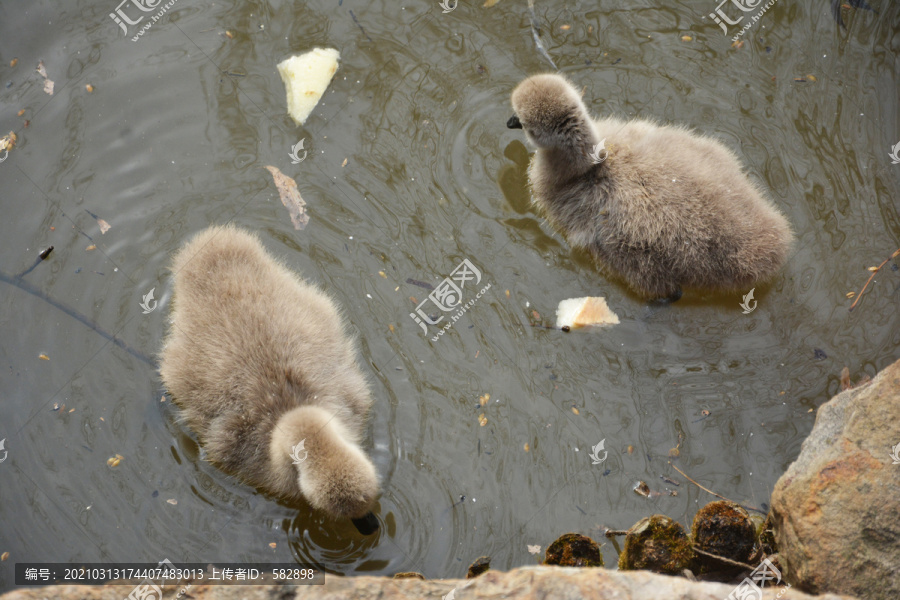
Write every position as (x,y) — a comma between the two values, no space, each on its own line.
(525,583)
(837,508)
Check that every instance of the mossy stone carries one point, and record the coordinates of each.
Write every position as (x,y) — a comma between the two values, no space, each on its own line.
(574,550)
(481,564)
(657,544)
(723,528)
(409,575)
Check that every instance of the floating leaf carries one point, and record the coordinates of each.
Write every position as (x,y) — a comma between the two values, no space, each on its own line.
(89,88)
(489,3)
(527,447)
(482,400)
(290,197)
(686,38)
(642,489)
(172,501)
(533,549)
(482,420)
(91,247)
(344,164)
(5,555)
(273,545)
(8,141)
(48,83)
(13,62)
(43,357)
(873,269)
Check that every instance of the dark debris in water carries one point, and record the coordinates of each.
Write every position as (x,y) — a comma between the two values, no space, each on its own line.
(820,354)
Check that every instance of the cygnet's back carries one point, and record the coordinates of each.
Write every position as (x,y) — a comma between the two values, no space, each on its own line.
(250,343)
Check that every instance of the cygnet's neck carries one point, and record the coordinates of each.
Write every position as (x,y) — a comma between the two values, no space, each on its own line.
(330,451)
(573,156)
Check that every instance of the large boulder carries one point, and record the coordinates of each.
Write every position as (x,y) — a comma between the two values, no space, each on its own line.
(525,583)
(837,508)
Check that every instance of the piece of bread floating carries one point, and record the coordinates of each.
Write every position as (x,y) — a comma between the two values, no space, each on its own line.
(306,78)
(578,312)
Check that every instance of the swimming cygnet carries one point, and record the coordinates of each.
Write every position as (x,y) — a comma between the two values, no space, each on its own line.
(661,207)
(265,374)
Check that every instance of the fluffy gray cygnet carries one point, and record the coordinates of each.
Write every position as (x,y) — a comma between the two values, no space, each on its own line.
(660,207)
(258,361)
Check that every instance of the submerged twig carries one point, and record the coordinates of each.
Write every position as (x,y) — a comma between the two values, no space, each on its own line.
(537,38)
(614,532)
(728,561)
(753,508)
(34,291)
(878,268)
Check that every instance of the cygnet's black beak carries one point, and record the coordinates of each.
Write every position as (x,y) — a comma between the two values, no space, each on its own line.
(366,525)
(514,123)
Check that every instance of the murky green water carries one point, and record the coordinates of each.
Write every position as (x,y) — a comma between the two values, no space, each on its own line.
(174,137)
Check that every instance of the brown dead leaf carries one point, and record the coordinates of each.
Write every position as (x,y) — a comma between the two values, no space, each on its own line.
(273,545)
(565,27)
(686,38)
(13,62)
(43,357)
(89,88)
(845,379)
(575,410)
(91,247)
(4,556)
(482,400)
(290,197)
(527,447)
(642,489)
(20,113)
(489,3)
(344,164)
(104,226)
(482,420)
(536,315)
